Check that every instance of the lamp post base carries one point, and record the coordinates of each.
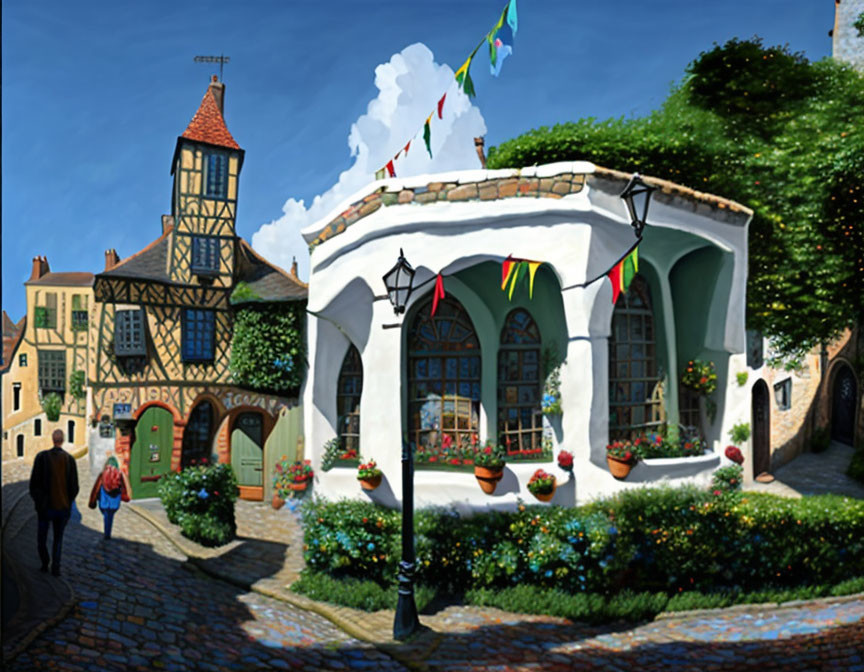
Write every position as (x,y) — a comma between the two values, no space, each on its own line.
(406,621)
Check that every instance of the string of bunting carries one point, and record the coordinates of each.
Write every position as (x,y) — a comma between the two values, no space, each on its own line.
(500,41)
(515,269)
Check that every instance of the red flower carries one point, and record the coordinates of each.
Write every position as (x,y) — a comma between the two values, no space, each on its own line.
(454,460)
(565,459)
(628,455)
(734,454)
(215,492)
(488,450)
(203,460)
(473,439)
(433,458)
(365,520)
(703,380)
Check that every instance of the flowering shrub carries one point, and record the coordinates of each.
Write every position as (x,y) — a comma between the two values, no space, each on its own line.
(490,456)
(368,471)
(623,450)
(734,454)
(541,483)
(448,452)
(655,539)
(700,376)
(565,460)
(656,444)
(200,499)
(287,473)
(727,479)
(334,455)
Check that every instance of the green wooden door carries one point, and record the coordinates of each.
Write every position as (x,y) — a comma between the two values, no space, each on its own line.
(151,453)
(247,453)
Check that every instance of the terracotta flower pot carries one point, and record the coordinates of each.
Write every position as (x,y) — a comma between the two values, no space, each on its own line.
(618,468)
(277,501)
(488,477)
(547,496)
(298,485)
(370,483)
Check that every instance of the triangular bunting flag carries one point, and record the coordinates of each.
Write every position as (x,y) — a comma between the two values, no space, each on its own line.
(438,294)
(427,135)
(390,168)
(615,279)
(532,269)
(408,144)
(635,256)
(506,269)
(521,267)
(441,106)
(463,76)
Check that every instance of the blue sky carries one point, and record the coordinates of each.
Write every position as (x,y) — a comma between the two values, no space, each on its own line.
(95,94)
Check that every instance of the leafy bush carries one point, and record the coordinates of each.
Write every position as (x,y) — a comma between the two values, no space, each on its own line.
(51,404)
(741,377)
(740,433)
(820,440)
(77,380)
(267,348)
(727,479)
(200,500)
(647,539)
(355,593)
(856,464)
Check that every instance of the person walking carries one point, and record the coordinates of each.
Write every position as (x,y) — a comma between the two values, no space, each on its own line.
(111,487)
(53,487)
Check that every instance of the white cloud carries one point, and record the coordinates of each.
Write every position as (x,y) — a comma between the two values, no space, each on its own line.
(409,87)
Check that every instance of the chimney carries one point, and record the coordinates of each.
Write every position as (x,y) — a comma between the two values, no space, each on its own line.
(478,145)
(40,268)
(111,259)
(294,267)
(167,223)
(218,89)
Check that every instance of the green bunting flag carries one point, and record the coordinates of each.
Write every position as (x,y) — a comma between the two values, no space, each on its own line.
(427,135)
(463,76)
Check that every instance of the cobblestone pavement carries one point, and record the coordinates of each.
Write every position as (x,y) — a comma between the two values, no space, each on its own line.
(141,606)
(815,474)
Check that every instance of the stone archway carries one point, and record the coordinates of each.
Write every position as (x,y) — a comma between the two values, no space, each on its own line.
(761,425)
(844,394)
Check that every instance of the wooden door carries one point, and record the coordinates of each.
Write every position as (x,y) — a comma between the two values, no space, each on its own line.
(151,453)
(198,435)
(761,425)
(843,397)
(247,454)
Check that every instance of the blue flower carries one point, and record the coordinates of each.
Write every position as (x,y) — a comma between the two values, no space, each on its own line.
(548,573)
(202,493)
(370,546)
(613,530)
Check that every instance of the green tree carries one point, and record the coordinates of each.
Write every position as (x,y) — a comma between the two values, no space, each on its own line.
(775,132)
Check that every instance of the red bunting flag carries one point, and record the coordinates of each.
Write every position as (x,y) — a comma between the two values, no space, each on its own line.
(615,278)
(441,106)
(505,270)
(438,294)
(390,168)
(406,148)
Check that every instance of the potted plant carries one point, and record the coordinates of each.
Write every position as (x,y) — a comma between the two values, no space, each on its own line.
(542,485)
(489,467)
(299,475)
(620,456)
(565,461)
(369,475)
(280,482)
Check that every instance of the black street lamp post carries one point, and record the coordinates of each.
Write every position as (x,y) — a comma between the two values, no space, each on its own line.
(398,282)
(637,197)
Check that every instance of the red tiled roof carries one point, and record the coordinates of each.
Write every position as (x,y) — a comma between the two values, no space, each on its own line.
(208,125)
(76,278)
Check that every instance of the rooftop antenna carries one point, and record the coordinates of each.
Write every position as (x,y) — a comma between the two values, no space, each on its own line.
(221,60)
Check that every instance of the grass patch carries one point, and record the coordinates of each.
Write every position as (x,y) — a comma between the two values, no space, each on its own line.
(355,593)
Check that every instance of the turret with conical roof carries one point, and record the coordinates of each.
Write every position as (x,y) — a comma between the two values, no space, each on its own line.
(206,168)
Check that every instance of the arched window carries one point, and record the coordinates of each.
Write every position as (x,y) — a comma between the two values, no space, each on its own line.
(197,435)
(520,417)
(635,399)
(443,381)
(348,403)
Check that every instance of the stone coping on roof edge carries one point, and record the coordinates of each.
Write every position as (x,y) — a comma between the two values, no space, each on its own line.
(554,180)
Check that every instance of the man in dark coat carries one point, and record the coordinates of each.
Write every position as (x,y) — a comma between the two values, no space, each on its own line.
(53,487)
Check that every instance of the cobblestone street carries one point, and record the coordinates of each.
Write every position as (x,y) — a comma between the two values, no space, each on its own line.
(138,604)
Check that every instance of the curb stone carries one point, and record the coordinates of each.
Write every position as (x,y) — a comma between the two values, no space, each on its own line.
(759,606)
(322,609)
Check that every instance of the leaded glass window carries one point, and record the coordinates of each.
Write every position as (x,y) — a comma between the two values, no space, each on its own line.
(205,255)
(199,328)
(634,404)
(52,371)
(350,388)
(198,435)
(79,313)
(129,333)
(217,175)
(688,408)
(443,382)
(520,417)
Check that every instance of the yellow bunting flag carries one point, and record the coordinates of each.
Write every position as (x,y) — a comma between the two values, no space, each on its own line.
(532,269)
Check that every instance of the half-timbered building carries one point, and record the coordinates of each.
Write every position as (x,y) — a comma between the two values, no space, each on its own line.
(163,393)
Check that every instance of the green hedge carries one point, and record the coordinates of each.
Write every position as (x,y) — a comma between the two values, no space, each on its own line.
(645,540)
(201,501)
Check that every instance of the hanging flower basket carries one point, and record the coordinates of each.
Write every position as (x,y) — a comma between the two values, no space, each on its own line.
(619,468)
(277,501)
(488,477)
(298,486)
(369,475)
(542,485)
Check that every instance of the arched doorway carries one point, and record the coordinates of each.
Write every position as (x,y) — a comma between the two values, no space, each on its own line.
(198,435)
(247,453)
(151,453)
(761,423)
(844,394)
